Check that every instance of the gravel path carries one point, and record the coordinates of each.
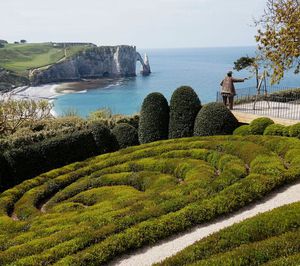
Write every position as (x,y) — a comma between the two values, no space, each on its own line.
(169,247)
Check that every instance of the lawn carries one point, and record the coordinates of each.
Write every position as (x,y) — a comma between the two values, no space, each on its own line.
(89,212)
(22,57)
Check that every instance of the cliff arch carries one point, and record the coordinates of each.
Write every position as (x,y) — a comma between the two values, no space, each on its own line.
(146,70)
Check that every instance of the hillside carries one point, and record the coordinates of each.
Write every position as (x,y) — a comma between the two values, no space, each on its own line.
(89,212)
(21,58)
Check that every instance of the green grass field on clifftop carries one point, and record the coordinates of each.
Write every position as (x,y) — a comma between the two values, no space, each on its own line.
(22,57)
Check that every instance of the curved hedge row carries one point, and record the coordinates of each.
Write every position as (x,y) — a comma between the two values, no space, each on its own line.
(266,237)
(90,212)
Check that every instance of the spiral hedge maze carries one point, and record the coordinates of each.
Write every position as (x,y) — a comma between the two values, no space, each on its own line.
(89,212)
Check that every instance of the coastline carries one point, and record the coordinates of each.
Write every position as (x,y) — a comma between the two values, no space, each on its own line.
(51,92)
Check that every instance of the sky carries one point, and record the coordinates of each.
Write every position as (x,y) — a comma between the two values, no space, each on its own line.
(144,23)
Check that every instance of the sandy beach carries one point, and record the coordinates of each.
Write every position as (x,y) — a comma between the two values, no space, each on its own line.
(50,92)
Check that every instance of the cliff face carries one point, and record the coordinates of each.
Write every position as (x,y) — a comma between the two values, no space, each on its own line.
(98,62)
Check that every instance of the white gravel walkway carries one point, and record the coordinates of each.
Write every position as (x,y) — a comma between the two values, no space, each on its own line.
(169,247)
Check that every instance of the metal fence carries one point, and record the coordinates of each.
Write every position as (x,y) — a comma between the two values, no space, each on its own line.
(279,102)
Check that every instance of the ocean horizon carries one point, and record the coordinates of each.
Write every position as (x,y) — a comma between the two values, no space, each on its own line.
(201,68)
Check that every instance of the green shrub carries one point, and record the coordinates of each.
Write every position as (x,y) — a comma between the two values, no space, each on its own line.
(126,135)
(274,130)
(259,125)
(114,203)
(154,118)
(295,130)
(215,119)
(105,140)
(184,107)
(32,160)
(242,131)
(286,131)
(130,120)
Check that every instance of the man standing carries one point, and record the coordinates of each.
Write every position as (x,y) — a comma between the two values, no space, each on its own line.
(228,89)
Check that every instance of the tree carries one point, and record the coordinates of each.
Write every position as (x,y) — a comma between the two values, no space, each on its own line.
(279,36)
(23,41)
(15,113)
(250,63)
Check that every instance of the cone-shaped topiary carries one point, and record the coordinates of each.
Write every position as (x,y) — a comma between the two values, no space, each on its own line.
(215,119)
(154,118)
(184,107)
(259,125)
(126,135)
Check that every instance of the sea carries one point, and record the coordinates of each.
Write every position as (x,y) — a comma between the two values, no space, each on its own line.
(201,68)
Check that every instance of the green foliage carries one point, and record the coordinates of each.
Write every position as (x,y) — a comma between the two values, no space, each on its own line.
(294,130)
(154,119)
(34,159)
(184,107)
(90,212)
(15,113)
(247,239)
(275,130)
(22,57)
(259,125)
(126,135)
(242,131)
(105,140)
(214,119)
(278,37)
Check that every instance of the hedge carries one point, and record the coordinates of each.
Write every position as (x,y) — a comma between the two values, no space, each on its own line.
(261,227)
(215,119)
(242,131)
(184,107)
(34,159)
(126,135)
(154,118)
(103,137)
(274,130)
(117,202)
(259,125)
(294,130)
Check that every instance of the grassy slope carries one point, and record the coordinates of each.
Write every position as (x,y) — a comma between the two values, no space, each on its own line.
(112,203)
(22,57)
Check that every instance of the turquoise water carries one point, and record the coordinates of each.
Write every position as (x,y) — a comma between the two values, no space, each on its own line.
(201,68)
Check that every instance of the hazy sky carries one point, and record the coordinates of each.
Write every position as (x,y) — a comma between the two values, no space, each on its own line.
(145,23)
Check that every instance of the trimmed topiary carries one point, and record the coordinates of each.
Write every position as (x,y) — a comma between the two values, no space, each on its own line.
(295,130)
(286,131)
(184,107)
(31,160)
(105,140)
(215,119)
(274,130)
(154,118)
(126,135)
(242,131)
(259,125)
